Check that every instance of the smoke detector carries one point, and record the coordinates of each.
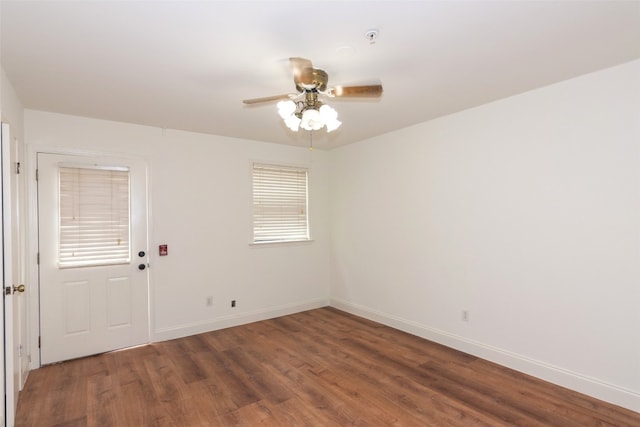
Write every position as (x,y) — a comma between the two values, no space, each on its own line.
(371,35)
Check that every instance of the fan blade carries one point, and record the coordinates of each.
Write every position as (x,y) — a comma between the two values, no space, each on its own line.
(266,99)
(302,70)
(366,91)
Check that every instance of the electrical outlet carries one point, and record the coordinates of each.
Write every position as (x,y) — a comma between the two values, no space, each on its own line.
(209,301)
(465,316)
(233,303)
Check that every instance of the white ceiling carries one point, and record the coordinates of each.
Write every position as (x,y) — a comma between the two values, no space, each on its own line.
(189,64)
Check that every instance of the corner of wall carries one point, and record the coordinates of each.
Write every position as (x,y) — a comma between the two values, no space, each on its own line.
(553,374)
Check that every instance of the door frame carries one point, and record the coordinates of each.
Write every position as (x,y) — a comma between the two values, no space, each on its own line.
(32,238)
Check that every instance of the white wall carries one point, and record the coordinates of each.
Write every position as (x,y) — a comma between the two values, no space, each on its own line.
(11,110)
(200,205)
(525,212)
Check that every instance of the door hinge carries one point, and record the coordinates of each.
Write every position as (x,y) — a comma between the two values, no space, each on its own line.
(17,168)
(38,258)
(39,342)
(36,174)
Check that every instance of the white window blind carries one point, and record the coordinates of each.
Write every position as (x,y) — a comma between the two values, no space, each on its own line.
(279,204)
(93,217)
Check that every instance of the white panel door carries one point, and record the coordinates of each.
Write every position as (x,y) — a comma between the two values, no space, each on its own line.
(87,310)
(11,253)
(20,325)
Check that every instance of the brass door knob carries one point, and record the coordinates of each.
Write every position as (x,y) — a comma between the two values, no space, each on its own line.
(19,288)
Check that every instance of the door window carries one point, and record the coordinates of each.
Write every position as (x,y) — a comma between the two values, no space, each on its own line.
(94,221)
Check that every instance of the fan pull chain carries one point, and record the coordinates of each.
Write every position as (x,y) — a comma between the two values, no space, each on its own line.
(310,140)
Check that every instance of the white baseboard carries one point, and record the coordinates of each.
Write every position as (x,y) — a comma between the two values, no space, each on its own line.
(185,330)
(562,377)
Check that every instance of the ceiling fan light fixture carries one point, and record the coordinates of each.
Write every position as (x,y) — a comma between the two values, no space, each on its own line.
(311,119)
(308,118)
(305,109)
(292,122)
(286,109)
(330,118)
(333,125)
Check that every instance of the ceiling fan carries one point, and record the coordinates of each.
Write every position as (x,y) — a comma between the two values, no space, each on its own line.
(304,109)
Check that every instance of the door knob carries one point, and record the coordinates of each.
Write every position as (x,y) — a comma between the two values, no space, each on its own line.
(19,288)
(142,267)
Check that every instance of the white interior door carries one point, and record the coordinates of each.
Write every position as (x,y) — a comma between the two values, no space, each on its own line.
(18,237)
(11,277)
(18,234)
(91,303)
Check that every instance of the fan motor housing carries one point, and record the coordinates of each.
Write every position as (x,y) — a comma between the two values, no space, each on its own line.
(313,78)
(312,82)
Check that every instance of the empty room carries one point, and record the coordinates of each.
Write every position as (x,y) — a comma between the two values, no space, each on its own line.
(320,213)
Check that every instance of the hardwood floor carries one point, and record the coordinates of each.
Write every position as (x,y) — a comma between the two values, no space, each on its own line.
(317,368)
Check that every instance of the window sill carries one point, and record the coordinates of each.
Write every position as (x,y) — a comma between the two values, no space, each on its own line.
(281,243)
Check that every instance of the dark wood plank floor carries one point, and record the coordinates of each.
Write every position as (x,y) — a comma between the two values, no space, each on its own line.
(318,368)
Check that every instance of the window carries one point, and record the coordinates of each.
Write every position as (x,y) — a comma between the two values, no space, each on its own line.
(93,217)
(280,199)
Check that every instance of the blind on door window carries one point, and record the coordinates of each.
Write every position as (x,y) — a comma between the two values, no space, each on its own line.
(279,204)
(94,216)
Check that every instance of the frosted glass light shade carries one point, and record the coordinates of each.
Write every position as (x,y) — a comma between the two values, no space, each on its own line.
(311,120)
(292,123)
(286,108)
(330,118)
